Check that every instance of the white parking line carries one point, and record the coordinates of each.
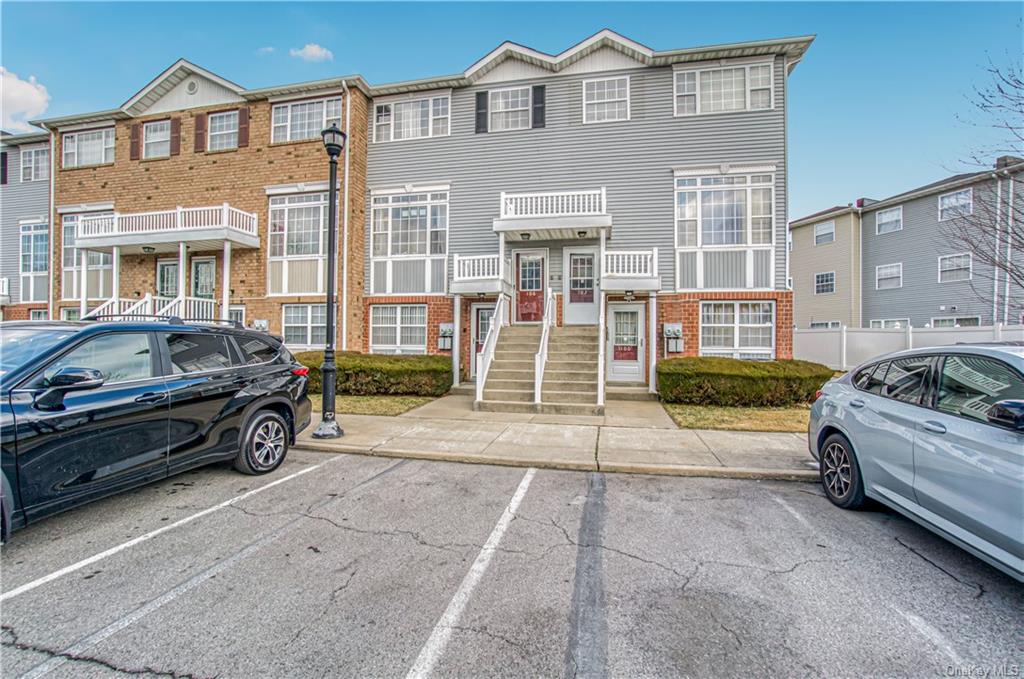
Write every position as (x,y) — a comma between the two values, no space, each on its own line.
(796,515)
(931,634)
(29,586)
(435,645)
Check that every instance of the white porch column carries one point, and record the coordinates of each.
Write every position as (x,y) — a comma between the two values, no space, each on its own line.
(455,340)
(600,264)
(115,278)
(83,283)
(652,342)
(225,282)
(182,271)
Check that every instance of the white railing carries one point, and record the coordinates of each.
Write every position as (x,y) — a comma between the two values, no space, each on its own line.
(486,355)
(631,263)
(112,307)
(182,218)
(477,267)
(553,204)
(195,308)
(602,340)
(550,314)
(144,307)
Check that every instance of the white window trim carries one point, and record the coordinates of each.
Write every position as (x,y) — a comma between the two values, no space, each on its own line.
(309,324)
(814,235)
(76,134)
(288,124)
(22,275)
(286,258)
(970,267)
(33,312)
(955,319)
(240,307)
(825,273)
(75,266)
(746,64)
(491,111)
(879,323)
(146,143)
(938,203)
(900,265)
(390,259)
(30,152)
(737,349)
(210,133)
(583,94)
(398,346)
(391,101)
(898,208)
(828,325)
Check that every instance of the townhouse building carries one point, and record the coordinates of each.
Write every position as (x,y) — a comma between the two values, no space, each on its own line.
(891,263)
(629,192)
(203,199)
(24,226)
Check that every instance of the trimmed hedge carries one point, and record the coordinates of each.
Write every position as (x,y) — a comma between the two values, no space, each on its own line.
(731,382)
(372,374)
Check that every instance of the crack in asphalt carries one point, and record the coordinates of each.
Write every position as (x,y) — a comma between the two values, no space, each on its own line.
(729,630)
(487,633)
(13,641)
(980,589)
(332,599)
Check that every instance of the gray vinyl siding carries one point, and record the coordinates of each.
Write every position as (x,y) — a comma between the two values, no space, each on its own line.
(633,159)
(18,200)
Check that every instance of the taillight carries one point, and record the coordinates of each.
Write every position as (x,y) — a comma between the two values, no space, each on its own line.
(300,371)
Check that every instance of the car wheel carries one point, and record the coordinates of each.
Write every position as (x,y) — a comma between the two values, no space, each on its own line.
(264,445)
(840,473)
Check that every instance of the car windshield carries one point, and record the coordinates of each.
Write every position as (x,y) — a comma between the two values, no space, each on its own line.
(18,346)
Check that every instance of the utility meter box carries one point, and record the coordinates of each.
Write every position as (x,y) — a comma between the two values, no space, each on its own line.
(673,334)
(445,333)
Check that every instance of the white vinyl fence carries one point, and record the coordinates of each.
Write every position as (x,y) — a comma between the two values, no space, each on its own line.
(843,348)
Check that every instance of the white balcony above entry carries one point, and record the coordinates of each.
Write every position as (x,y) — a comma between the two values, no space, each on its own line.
(487,274)
(161,231)
(630,270)
(553,215)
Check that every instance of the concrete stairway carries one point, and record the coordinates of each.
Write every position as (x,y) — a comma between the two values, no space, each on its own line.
(509,386)
(570,375)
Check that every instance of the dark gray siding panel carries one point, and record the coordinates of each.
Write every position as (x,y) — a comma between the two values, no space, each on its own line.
(18,200)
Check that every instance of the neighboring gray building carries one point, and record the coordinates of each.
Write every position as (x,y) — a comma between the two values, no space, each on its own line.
(25,172)
(909,272)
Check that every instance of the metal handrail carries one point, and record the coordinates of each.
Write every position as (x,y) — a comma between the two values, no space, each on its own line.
(602,332)
(542,351)
(486,355)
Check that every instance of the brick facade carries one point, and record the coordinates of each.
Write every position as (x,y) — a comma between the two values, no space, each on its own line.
(21,312)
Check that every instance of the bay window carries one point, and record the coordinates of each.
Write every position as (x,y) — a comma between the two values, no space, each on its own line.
(398,329)
(300,120)
(99,265)
(744,87)
(298,244)
(738,330)
(94,147)
(305,325)
(409,242)
(411,119)
(35,254)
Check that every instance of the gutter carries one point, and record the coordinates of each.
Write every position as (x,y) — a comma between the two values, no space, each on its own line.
(53,230)
(995,266)
(344,221)
(1009,255)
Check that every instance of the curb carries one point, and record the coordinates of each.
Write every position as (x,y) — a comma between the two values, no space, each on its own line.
(752,473)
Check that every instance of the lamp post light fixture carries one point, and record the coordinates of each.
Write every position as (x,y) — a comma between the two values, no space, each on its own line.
(334,142)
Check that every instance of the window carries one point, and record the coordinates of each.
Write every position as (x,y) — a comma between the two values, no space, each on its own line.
(890,323)
(411,119)
(970,385)
(82,149)
(99,265)
(35,256)
(119,356)
(304,119)
(510,109)
(70,314)
(823,325)
(35,164)
(737,329)
(825,283)
(398,329)
(197,352)
(606,100)
(223,131)
(305,324)
(37,315)
(824,233)
(907,379)
(298,242)
(721,90)
(956,204)
(236,313)
(954,268)
(887,221)
(409,242)
(889,276)
(956,321)
(872,378)
(156,139)
(255,351)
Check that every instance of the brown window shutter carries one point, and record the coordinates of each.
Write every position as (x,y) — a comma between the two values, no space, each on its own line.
(175,136)
(243,127)
(200,133)
(135,141)
(3,167)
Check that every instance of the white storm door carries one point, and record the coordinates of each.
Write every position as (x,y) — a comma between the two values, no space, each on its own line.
(581,294)
(625,348)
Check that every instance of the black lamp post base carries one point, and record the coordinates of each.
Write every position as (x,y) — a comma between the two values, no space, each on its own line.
(328,429)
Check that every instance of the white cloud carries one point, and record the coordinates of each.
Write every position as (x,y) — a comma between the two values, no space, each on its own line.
(22,101)
(312,52)
(265,50)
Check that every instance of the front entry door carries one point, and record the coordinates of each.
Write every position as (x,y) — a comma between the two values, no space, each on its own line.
(203,273)
(482,317)
(529,287)
(167,278)
(581,293)
(625,343)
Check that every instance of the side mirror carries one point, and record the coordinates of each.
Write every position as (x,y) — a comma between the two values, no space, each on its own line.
(1009,414)
(65,380)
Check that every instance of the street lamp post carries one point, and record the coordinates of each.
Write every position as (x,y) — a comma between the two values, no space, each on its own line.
(334,142)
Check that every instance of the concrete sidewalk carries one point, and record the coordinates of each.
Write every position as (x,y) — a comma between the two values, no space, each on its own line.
(632,436)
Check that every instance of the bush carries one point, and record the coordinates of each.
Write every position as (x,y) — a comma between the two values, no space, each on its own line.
(372,374)
(732,382)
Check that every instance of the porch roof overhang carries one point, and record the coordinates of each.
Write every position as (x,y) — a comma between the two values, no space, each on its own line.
(480,286)
(553,228)
(634,283)
(197,240)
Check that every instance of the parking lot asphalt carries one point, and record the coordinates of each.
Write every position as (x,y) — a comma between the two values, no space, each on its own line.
(341,565)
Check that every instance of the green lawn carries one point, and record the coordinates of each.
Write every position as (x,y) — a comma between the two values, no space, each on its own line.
(792,419)
(372,405)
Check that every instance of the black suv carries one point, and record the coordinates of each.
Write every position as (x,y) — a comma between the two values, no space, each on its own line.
(88,409)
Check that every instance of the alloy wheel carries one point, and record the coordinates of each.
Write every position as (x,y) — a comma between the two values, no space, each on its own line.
(268,443)
(837,470)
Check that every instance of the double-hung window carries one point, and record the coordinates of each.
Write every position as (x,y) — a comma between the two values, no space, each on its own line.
(738,329)
(887,221)
(99,265)
(889,276)
(94,147)
(954,268)
(824,325)
(298,242)
(398,329)
(825,283)
(606,100)
(156,139)
(411,119)
(35,164)
(510,109)
(889,323)
(824,233)
(409,242)
(222,131)
(300,120)
(35,253)
(744,87)
(956,204)
(956,321)
(305,325)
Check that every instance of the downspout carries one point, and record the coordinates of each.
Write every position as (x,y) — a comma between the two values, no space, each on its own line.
(995,263)
(50,218)
(1009,255)
(860,269)
(344,221)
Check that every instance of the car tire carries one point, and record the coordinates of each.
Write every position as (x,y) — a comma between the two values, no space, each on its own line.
(264,445)
(840,473)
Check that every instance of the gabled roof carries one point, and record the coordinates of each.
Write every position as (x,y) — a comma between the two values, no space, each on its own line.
(833,211)
(165,82)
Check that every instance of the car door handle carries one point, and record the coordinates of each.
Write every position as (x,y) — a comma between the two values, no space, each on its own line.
(151,397)
(857,403)
(934,427)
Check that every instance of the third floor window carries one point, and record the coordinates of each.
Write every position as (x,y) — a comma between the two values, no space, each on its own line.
(93,147)
(413,119)
(722,90)
(300,120)
(606,100)
(35,164)
(510,109)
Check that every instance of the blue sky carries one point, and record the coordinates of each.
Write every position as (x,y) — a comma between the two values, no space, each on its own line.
(877,106)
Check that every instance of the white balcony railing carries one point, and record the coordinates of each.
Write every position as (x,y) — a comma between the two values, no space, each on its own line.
(541,358)
(182,218)
(477,267)
(553,204)
(631,263)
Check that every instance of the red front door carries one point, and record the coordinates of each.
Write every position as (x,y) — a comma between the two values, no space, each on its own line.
(529,287)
